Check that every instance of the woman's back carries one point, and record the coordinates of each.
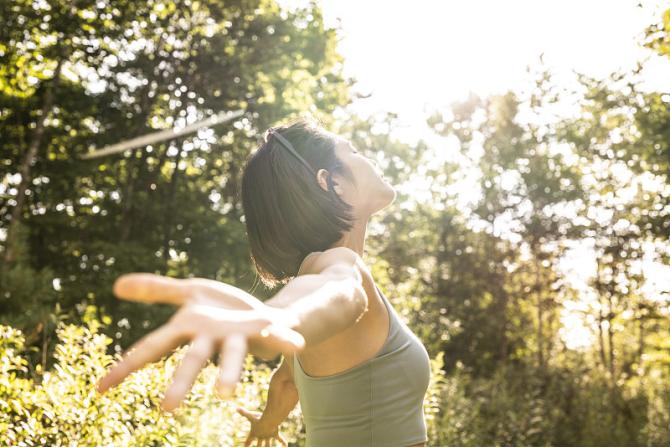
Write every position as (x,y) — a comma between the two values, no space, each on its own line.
(366,385)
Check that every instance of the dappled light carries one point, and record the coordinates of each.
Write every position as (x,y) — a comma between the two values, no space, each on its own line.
(526,246)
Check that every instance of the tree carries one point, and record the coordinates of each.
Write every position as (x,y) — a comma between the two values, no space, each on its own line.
(128,69)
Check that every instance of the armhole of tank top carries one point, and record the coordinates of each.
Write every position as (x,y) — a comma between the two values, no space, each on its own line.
(385,300)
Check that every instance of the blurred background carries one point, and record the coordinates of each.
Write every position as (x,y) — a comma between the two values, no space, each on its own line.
(528,141)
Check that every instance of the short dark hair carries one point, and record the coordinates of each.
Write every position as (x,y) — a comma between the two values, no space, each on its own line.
(287,214)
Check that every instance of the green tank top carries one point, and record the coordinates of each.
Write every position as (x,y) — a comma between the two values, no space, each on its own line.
(377,403)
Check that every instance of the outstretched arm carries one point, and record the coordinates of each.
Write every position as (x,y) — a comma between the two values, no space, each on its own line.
(308,310)
(326,300)
(319,304)
(282,396)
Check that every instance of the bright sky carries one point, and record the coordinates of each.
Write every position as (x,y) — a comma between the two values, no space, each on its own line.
(428,53)
(418,56)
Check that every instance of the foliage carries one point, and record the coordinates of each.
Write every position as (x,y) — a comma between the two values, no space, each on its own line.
(61,407)
(658,35)
(472,253)
(127,69)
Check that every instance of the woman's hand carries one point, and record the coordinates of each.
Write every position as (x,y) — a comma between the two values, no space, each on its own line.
(210,328)
(152,288)
(259,431)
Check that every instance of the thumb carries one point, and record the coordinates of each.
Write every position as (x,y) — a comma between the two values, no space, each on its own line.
(244,412)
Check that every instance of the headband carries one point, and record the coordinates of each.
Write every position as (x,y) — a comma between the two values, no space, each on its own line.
(284,142)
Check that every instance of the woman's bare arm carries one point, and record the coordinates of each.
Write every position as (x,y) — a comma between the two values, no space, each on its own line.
(327,299)
(319,304)
(282,396)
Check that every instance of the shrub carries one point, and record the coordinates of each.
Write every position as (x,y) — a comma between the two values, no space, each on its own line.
(62,408)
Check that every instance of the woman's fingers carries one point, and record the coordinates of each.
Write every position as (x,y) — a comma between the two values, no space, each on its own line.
(260,442)
(151,288)
(207,326)
(231,363)
(148,349)
(282,440)
(195,359)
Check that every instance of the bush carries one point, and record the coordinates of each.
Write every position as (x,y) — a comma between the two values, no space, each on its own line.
(62,408)
(515,407)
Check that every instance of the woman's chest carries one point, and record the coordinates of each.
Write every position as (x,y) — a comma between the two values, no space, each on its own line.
(354,345)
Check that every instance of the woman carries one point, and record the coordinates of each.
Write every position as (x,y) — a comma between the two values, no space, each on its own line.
(361,375)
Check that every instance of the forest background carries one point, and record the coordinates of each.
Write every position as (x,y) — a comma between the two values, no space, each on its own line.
(484,284)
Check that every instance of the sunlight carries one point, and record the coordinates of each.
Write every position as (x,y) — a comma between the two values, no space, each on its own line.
(420,57)
(526,254)
(427,53)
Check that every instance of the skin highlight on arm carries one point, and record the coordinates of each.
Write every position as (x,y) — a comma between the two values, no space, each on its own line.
(328,298)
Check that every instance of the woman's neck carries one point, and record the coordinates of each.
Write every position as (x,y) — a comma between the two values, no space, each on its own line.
(354,238)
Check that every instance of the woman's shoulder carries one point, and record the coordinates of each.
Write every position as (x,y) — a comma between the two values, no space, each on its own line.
(317,261)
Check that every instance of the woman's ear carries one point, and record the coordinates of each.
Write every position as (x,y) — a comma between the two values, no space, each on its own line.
(322,178)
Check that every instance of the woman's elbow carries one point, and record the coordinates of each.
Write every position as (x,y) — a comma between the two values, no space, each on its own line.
(358,301)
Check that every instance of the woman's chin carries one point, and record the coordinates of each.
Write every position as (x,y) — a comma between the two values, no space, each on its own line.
(386,196)
(392,195)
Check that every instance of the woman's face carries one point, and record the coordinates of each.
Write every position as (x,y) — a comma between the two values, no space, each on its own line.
(370,191)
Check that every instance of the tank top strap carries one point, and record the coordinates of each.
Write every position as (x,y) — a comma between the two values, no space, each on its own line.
(386,302)
(389,307)
(393,328)
(393,339)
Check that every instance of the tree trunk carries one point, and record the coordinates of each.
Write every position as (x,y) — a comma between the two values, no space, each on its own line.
(601,316)
(610,337)
(26,164)
(135,168)
(540,320)
(169,210)
(640,342)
